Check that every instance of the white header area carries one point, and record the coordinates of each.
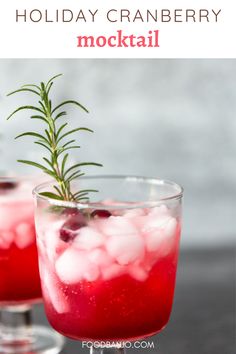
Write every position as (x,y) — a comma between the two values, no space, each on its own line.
(118,29)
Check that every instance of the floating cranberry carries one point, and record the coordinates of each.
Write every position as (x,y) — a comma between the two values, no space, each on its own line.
(7,185)
(100,214)
(67,235)
(75,221)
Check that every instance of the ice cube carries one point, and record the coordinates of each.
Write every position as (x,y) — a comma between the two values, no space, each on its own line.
(92,273)
(52,290)
(171,238)
(132,213)
(157,238)
(53,243)
(139,222)
(117,225)
(26,210)
(138,273)
(156,221)
(100,257)
(7,217)
(126,248)
(6,239)
(113,271)
(88,238)
(162,240)
(170,228)
(74,265)
(156,211)
(41,248)
(13,213)
(3,245)
(24,235)
(167,247)
(154,239)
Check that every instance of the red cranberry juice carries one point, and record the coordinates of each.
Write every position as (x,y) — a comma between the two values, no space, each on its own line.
(122,308)
(112,278)
(19,274)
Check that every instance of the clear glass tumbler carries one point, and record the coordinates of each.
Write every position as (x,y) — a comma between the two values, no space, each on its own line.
(19,275)
(108,266)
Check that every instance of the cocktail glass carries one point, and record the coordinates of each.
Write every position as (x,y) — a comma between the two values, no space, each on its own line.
(108,267)
(19,276)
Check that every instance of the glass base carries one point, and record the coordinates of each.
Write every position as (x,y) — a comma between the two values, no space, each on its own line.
(42,340)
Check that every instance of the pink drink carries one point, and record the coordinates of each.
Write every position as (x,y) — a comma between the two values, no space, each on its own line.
(109,275)
(19,276)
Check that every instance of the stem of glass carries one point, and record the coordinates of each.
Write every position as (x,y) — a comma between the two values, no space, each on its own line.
(96,350)
(15,328)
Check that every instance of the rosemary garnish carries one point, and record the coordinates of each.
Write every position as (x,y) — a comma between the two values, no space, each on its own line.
(53,140)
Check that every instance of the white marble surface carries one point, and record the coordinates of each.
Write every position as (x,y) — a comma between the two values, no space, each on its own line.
(174,119)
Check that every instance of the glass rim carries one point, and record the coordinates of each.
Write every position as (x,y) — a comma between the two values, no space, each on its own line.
(119,205)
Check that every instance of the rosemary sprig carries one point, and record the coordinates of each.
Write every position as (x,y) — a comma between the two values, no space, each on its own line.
(53,140)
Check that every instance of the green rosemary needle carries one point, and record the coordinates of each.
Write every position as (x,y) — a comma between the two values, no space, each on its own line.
(54,139)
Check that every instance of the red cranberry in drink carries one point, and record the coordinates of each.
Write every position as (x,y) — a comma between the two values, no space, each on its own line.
(67,235)
(4,186)
(100,214)
(75,221)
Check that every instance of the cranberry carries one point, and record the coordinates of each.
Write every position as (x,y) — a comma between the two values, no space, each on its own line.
(7,185)
(75,221)
(100,214)
(67,235)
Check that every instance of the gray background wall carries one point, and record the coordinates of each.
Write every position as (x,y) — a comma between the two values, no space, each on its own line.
(174,119)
